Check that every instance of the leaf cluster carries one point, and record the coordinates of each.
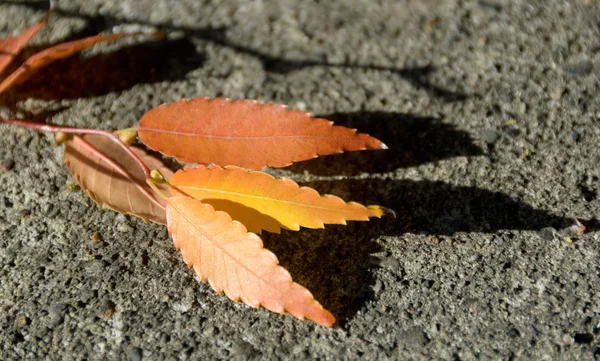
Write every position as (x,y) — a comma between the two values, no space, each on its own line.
(218,205)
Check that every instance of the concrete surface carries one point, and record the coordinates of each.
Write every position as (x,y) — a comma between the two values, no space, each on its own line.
(491,112)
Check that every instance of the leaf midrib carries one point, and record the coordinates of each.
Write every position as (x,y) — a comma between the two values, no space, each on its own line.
(265,198)
(223,250)
(210,136)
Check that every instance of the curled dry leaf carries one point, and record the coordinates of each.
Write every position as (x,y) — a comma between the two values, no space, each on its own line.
(11,46)
(260,201)
(60,51)
(244,133)
(235,262)
(112,178)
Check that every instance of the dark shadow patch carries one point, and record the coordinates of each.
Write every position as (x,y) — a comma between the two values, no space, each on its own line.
(333,263)
(36,5)
(249,217)
(80,77)
(591,225)
(417,76)
(412,141)
(584,338)
(438,208)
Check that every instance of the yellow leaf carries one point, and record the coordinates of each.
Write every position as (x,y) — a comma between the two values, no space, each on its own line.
(260,201)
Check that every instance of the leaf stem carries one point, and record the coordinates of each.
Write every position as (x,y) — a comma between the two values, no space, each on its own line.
(152,185)
(51,128)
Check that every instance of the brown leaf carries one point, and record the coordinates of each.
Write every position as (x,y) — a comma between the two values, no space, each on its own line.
(235,262)
(260,201)
(244,133)
(10,47)
(112,178)
(45,57)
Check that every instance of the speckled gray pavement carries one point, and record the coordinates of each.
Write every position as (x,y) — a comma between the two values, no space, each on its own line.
(491,112)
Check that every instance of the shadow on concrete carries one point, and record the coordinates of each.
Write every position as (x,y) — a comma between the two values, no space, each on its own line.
(439,208)
(412,141)
(591,225)
(81,77)
(417,76)
(334,263)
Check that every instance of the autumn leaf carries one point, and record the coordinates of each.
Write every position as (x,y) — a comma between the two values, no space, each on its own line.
(112,177)
(229,133)
(257,199)
(11,46)
(60,51)
(234,261)
(244,133)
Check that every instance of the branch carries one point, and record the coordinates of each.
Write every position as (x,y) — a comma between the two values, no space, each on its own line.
(56,128)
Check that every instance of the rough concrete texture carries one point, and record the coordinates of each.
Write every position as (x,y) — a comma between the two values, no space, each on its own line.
(490,109)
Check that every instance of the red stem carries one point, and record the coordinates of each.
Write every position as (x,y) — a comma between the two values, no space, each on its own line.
(57,128)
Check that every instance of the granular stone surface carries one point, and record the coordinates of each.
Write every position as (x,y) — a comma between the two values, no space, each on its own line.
(490,109)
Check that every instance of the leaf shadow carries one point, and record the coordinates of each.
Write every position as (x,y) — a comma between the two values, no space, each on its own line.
(591,225)
(412,141)
(252,219)
(439,208)
(335,263)
(417,76)
(81,77)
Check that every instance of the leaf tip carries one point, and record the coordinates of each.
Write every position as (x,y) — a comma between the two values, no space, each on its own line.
(389,211)
(381,211)
(325,318)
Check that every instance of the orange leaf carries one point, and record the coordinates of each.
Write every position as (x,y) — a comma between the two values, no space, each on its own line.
(45,57)
(111,177)
(10,47)
(244,133)
(234,261)
(257,199)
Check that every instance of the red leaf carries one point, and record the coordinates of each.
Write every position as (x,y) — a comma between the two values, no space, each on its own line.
(244,133)
(235,262)
(10,47)
(111,176)
(45,57)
